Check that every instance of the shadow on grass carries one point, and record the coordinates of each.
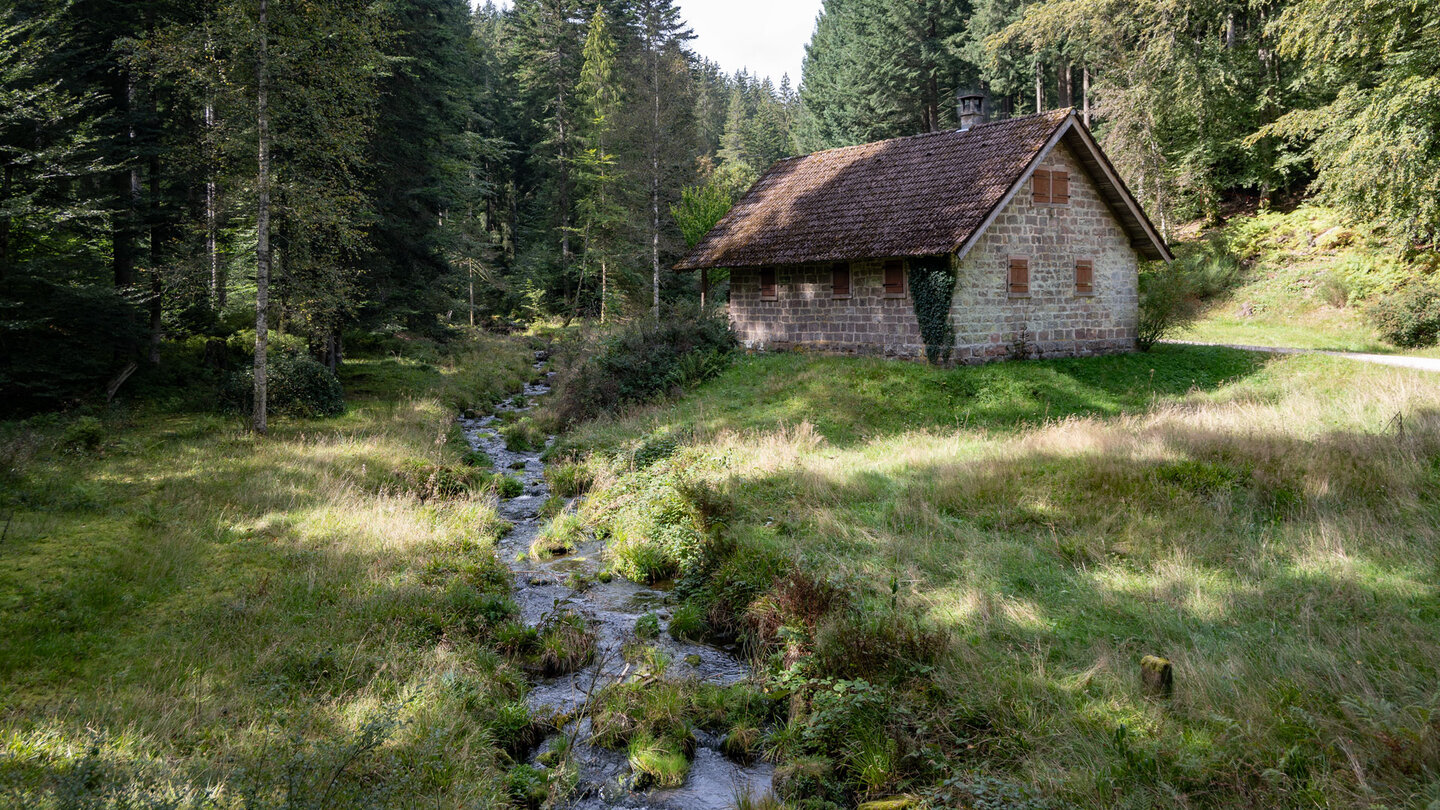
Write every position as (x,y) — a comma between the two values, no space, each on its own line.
(1292,582)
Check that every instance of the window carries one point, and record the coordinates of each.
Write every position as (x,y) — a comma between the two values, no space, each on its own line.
(1019,278)
(1084,277)
(840,280)
(767,284)
(1051,187)
(895,279)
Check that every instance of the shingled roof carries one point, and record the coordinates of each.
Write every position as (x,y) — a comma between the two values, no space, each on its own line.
(924,195)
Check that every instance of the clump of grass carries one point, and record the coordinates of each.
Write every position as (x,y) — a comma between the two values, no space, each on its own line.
(553,506)
(522,435)
(657,761)
(562,535)
(570,479)
(640,559)
(742,744)
(565,645)
(687,623)
(428,481)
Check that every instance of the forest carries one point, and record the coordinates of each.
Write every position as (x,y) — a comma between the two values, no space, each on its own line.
(361,447)
(415,165)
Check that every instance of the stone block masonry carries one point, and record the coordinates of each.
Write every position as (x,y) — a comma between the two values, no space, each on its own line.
(1053,320)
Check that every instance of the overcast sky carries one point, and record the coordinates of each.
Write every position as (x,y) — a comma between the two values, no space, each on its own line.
(767,37)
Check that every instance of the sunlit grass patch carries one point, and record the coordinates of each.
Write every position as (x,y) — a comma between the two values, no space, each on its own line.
(190,608)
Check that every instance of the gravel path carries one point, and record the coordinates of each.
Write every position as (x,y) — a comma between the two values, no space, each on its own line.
(1402,361)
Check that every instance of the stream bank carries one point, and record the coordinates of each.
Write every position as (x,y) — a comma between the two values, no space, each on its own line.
(611,607)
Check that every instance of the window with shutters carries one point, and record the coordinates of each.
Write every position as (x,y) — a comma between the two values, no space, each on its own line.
(1040,181)
(1019,278)
(767,284)
(1084,277)
(895,279)
(840,280)
(1051,187)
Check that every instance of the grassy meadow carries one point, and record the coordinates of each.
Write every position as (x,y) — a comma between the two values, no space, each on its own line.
(198,617)
(954,574)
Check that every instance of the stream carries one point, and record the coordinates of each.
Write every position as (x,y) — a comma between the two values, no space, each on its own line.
(611,609)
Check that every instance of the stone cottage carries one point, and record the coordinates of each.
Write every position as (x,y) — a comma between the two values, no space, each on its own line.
(1043,236)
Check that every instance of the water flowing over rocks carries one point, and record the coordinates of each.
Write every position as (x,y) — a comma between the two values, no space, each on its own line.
(611,610)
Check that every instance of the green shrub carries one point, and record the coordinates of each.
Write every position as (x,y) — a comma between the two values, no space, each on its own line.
(1167,303)
(528,785)
(1409,317)
(648,626)
(295,385)
(477,458)
(1211,267)
(644,361)
(84,435)
(1333,288)
(508,486)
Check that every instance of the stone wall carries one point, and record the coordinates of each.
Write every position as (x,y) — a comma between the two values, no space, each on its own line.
(990,324)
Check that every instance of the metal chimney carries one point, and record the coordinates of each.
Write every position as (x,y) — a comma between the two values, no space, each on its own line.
(970,106)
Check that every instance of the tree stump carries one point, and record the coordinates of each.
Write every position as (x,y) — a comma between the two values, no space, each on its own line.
(1157,677)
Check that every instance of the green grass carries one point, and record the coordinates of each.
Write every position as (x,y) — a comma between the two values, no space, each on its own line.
(189,607)
(972,562)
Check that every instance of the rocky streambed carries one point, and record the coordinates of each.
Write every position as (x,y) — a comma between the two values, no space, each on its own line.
(611,608)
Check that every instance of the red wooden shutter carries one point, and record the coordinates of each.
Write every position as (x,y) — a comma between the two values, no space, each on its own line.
(767,284)
(894,278)
(1019,276)
(1084,276)
(1060,188)
(840,280)
(1042,186)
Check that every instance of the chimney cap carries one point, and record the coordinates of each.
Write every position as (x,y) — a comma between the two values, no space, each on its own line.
(970,108)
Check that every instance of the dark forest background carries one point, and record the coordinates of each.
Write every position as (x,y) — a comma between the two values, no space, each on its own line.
(432,166)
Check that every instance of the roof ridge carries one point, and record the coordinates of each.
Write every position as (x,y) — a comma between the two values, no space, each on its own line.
(919,135)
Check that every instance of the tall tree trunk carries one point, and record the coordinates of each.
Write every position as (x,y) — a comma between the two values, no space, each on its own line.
(7,178)
(564,171)
(212,215)
(604,287)
(262,215)
(655,179)
(157,276)
(1085,89)
(1064,89)
(1039,86)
